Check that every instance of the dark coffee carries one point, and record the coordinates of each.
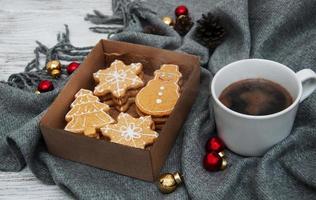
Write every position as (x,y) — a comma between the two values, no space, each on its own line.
(256,97)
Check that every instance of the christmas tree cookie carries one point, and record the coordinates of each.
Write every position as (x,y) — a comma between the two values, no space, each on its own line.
(118,84)
(87,114)
(130,131)
(160,95)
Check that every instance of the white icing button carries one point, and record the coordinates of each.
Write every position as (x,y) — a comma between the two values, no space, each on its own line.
(162,87)
(160,93)
(158,100)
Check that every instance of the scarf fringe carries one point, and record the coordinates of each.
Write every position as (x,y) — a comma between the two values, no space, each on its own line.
(124,12)
(34,73)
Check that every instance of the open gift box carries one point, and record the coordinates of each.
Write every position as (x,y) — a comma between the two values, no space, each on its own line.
(146,163)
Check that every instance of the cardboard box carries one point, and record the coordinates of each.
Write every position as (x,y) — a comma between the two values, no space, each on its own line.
(144,164)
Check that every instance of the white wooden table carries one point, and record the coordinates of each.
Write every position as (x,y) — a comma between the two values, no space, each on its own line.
(21,23)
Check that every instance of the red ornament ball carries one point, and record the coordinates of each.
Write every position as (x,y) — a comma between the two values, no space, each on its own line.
(214,144)
(181,10)
(72,67)
(45,86)
(212,161)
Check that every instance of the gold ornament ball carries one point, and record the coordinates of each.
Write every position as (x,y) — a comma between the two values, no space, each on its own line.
(168,20)
(37,92)
(168,182)
(224,164)
(54,68)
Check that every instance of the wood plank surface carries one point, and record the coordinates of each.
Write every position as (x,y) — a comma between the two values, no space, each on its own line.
(24,21)
(21,23)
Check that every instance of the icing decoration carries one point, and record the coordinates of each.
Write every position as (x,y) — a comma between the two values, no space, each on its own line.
(158,101)
(87,114)
(166,79)
(118,78)
(135,132)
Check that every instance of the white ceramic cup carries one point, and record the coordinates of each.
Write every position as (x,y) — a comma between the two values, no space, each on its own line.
(250,135)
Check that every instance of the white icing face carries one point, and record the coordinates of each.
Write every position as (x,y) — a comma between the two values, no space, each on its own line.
(158,101)
(167,76)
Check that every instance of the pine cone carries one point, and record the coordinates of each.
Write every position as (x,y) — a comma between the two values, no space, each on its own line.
(209,32)
(183,24)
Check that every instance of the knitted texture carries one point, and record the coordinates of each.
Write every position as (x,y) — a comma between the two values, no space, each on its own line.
(33,72)
(271,29)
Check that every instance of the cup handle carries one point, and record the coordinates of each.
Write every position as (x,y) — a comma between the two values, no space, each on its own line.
(307,77)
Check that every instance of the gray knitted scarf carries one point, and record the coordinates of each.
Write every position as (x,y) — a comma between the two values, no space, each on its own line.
(278,30)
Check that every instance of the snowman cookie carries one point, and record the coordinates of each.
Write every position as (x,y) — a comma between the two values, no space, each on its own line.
(161,94)
(130,131)
(118,84)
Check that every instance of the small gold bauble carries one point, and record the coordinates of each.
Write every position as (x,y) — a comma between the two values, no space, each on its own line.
(168,182)
(53,64)
(54,68)
(55,73)
(168,20)
(224,164)
(37,92)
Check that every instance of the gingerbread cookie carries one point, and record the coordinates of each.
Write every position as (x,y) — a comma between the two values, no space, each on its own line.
(157,120)
(87,114)
(118,82)
(130,131)
(161,94)
(126,105)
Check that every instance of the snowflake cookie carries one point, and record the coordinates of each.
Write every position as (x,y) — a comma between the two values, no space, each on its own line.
(130,131)
(87,114)
(117,79)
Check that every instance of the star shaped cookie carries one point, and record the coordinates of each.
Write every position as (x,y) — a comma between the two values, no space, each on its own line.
(118,78)
(130,131)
